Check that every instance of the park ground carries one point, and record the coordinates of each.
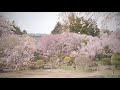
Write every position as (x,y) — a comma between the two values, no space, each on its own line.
(60,73)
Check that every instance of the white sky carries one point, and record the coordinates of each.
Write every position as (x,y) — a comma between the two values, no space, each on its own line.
(33,22)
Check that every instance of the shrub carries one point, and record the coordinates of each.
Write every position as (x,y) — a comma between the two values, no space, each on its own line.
(82,61)
(53,62)
(115,62)
(115,59)
(53,58)
(68,60)
(104,61)
(25,68)
(40,63)
(36,56)
(105,53)
(32,65)
(49,65)
(1,66)
(102,56)
(107,49)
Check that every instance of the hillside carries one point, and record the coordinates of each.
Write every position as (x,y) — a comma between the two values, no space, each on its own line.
(36,37)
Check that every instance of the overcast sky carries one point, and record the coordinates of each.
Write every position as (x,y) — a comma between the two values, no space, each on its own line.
(33,22)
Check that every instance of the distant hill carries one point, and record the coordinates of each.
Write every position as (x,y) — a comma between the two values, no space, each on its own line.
(36,36)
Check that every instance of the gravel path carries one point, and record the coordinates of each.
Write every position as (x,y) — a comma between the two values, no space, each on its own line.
(55,73)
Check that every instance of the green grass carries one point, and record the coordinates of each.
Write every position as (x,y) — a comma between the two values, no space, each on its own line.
(78,68)
(66,67)
(90,68)
(113,76)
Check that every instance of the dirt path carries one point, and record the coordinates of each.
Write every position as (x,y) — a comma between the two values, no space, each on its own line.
(60,73)
(53,73)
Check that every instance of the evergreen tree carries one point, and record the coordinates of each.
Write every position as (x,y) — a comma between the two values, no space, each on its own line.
(24,32)
(57,29)
(88,27)
(18,31)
